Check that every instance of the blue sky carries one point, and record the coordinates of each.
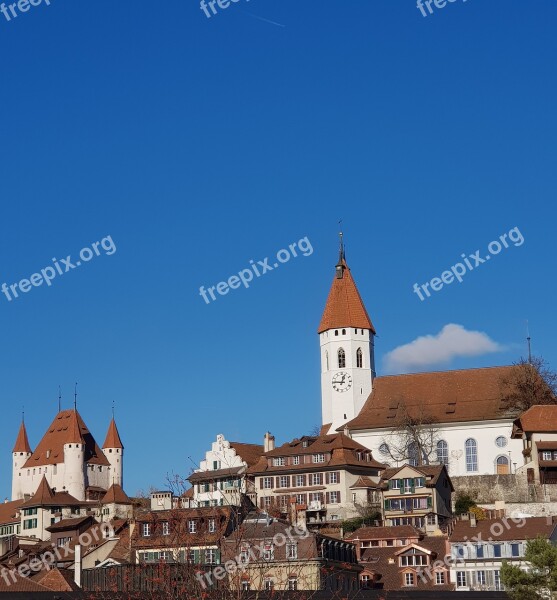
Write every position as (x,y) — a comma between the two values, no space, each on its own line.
(200,144)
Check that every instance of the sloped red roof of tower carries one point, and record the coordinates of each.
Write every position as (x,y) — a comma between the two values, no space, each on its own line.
(344,307)
(113,437)
(116,495)
(22,443)
(67,428)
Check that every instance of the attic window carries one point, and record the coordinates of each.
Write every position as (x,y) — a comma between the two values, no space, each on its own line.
(451,408)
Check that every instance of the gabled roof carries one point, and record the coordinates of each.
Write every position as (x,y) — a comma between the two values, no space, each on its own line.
(9,512)
(344,307)
(113,437)
(537,419)
(69,524)
(431,473)
(67,428)
(445,396)
(45,496)
(22,443)
(514,530)
(249,453)
(365,482)
(384,533)
(343,452)
(116,495)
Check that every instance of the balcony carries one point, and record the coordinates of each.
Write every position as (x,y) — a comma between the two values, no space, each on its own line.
(315,506)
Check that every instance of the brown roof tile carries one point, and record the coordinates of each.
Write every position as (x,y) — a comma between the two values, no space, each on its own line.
(384,533)
(44,496)
(57,580)
(364,482)
(22,443)
(9,511)
(538,419)
(524,529)
(445,396)
(344,307)
(249,453)
(116,495)
(112,439)
(431,472)
(62,430)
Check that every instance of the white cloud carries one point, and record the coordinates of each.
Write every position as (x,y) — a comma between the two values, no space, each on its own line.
(426,351)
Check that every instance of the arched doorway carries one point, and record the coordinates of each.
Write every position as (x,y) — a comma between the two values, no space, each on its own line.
(503,465)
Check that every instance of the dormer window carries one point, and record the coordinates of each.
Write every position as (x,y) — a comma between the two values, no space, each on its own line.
(278,462)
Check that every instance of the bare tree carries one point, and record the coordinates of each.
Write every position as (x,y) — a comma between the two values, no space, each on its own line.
(413,438)
(530,383)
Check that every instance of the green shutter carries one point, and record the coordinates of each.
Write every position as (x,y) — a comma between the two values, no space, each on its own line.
(429,502)
(196,557)
(386,505)
(401,485)
(217,557)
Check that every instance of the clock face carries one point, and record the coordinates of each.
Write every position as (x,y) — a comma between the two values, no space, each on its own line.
(341,381)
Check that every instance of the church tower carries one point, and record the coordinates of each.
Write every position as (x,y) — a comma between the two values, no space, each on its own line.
(346,337)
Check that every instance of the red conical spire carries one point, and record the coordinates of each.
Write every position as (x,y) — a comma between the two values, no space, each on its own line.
(345,307)
(112,436)
(22,443)
(74,431)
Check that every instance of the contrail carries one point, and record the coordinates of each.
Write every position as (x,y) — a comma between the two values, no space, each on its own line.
(266,20)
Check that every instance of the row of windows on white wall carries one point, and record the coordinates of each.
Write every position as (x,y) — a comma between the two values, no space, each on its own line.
(342,359)
(442,451)
(344,331)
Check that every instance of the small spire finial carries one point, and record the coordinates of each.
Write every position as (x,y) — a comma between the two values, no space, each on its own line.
(113,409)
(75,397)
(59,398)
(341,259)
(23,414)
(529,340)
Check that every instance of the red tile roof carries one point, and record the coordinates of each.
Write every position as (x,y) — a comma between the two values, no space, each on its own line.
(113,437)
(22,443)
(9,512)
(507,529)
(344,307)
(116,495)
(446,396)
(384,533)
(66,428)
(44,496)
(538,419)
(431,473)
(249,453)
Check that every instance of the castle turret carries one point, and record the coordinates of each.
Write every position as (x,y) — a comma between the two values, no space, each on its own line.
(114,451)
(20,455)
(74,459)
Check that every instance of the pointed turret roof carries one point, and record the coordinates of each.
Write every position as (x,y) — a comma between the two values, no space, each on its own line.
(22,443)
(345,307)
(116,495)
(74,433)
(44,492)
(67,428)
(113,437)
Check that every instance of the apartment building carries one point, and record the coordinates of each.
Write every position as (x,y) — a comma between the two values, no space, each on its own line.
(327,476)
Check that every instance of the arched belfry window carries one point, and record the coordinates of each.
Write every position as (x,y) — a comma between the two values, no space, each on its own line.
(359,358)
(341,359)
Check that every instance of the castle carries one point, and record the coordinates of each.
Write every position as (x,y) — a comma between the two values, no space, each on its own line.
(69,458)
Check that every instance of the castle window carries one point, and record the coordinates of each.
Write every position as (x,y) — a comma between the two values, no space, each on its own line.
(336,331)
(344,332)
(471,447)
(359,358)
(341,359)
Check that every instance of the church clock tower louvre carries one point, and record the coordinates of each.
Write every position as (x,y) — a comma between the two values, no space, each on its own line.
(346,338)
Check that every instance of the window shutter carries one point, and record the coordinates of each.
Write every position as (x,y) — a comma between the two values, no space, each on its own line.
(196,557)
(338,498)
(277,483)
(338,476)
(401,485)
(390,484)
(321,497)
(327,478)
(304,479)
(260,502)
(327,498)
(217,557)
(429,502)
(272,482)
(386,505)
(320,478)
(288,481)
(261,483)
(412,486)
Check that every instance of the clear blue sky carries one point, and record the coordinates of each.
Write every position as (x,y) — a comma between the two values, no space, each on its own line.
(199,144)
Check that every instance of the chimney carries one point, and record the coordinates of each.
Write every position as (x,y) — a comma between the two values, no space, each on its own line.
(268,442)
(77,565)
(473,520)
